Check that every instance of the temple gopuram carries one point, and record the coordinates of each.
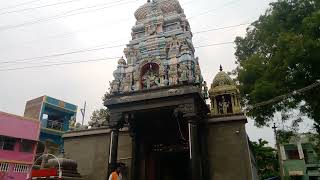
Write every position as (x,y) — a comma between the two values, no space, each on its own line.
(161,126)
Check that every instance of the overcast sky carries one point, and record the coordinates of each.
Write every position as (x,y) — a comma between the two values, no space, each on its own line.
(71,26)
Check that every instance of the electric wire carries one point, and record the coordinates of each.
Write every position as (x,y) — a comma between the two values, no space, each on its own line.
(65,14)
(62,54)
(28,60)
(90,27)
(215,9)
(284,96)
(82,29)
(62,63)
(96,49)
(38,7)
(215,44)
(119,22)
(108,47)
(18,5)
(221,28)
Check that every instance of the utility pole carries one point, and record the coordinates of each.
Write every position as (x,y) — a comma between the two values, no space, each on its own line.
(274,127)
(83,112)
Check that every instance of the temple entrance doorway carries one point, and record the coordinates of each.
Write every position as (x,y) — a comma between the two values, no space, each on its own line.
(162,151)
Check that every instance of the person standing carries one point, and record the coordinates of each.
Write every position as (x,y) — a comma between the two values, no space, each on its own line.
(116,174)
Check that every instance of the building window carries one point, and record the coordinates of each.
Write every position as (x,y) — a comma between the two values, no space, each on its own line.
(295,178)
(21,168)
(4,167)
(26,146)
(7,143)
(292,152)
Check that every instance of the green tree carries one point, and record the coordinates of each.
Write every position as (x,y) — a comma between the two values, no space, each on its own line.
(284,136)
(279,54)
(266,158)
(100,114)
(100,117)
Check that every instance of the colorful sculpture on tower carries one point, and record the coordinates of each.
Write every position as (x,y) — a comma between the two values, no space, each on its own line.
(161,52)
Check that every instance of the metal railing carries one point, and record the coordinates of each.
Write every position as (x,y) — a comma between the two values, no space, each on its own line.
(55,124)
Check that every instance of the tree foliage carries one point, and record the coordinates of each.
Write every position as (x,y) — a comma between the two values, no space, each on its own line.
(100,114)
(279,54)
(284,136)
(266,157)
(100,117)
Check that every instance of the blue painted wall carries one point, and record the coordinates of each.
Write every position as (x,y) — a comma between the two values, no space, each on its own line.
(67,110)
(57,139)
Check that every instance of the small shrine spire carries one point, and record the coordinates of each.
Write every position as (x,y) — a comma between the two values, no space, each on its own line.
(221,69)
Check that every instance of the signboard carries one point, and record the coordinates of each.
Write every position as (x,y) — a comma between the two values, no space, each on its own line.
(45,172)
(295,173)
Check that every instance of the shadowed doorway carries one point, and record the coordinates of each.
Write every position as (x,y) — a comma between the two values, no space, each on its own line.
(162,146)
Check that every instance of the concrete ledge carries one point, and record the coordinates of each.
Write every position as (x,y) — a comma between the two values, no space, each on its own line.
(157,93)
(89,132)
(231,118)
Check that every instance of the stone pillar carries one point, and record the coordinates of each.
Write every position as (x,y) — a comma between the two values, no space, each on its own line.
(236,100)
(115,124)
(134,148)
(216,109)
(189,114)
(233,104)
(194,149)
(113,152)
(283,153)
(300,150)
(134,159)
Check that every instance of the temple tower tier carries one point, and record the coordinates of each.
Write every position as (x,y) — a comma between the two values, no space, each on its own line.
(161,52)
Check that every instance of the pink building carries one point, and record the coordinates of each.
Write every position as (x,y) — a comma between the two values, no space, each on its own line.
(18,144)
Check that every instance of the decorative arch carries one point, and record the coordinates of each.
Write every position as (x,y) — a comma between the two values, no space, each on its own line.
(149,75)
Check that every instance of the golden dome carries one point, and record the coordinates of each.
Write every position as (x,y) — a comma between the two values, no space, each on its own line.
(224,95)
(222,79)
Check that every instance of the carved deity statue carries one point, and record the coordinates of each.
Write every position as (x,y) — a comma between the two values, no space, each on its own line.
(174,47)
(136,80)
(152,29)
(205,90)
(183,70)
(223,106)
(132,55)
(162,74)
(150,79)
(191,71)
(114,86)
(72,123)
(185,48)
(198,74)
(126,83)
(173,75)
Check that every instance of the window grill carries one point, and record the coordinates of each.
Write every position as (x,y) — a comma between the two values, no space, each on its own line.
(55,124)
(21,168)
(4,167)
